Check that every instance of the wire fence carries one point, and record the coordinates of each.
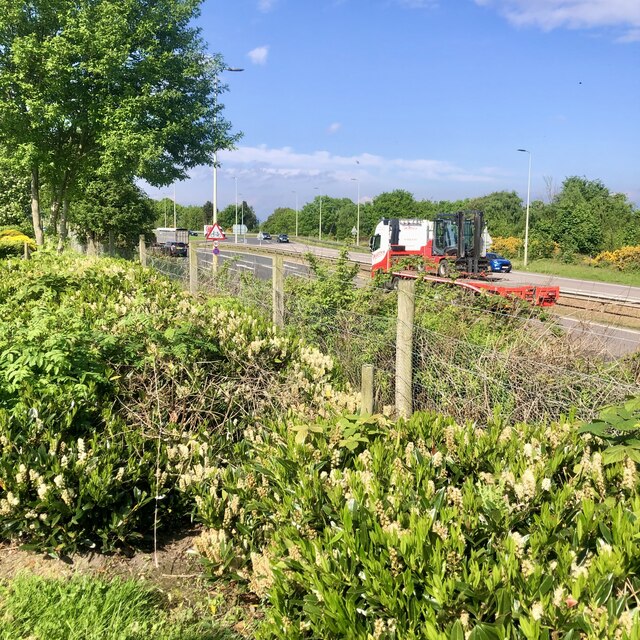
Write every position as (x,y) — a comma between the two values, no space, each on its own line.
(529,370)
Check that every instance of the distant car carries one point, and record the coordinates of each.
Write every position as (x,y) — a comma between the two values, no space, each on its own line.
(498,263)
(175,249)
(283,237)
(263,235)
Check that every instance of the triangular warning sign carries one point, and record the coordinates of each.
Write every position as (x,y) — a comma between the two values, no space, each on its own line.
(215,232)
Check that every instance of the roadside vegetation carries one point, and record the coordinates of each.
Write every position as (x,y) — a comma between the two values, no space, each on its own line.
(583,270)
(83,608)
(473,356)
(129,408)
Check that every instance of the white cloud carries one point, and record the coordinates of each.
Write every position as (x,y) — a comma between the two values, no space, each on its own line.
(267,178)
(259,55)
(334,127)
(266,5)
(286,162)
(573,14)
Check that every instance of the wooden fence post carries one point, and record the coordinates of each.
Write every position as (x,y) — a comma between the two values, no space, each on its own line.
(142,250)
(366,392)
(193,269)
(404,347)
(278,290)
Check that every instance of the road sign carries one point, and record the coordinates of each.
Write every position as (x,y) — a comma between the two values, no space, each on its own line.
(216,251)
(214,232)
(215,243)
(240,228)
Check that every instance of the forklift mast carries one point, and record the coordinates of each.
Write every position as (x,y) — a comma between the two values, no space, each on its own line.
(468,228)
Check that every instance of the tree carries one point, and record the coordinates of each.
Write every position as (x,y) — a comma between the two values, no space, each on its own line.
(503,212)
(14,194)
(120,88)
(110,211)
(588,218)
(282,220)
(395,204)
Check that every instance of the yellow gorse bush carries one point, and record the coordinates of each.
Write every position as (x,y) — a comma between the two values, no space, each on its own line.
(624,259)
(508,247)
(12,242)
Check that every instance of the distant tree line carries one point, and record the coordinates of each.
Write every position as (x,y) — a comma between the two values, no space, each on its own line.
(583,217)
(194,217)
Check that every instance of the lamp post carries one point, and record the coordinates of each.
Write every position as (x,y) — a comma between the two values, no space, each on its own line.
(526,221)
(294,191)
(358,218)
(236,225)
(320,221)
(215,149)
(175,225)
(244,236)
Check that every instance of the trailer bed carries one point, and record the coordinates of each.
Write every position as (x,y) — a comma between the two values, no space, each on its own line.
(539,296)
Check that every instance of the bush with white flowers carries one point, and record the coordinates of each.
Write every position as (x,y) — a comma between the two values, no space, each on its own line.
(113,381)
(361,528)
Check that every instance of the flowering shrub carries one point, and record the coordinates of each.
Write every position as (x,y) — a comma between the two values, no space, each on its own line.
(112,380)
(508,247)
(12,243)
(623,259)
(363,529)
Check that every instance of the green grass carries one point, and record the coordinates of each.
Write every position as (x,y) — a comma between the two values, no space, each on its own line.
(83,608)
(579,271)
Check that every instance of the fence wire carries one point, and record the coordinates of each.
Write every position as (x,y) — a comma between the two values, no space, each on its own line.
(530,372)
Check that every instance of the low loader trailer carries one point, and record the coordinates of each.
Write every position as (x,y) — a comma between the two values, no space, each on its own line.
(453,245)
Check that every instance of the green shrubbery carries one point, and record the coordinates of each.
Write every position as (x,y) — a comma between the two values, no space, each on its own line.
(12,242)
(110,377)
(363,529)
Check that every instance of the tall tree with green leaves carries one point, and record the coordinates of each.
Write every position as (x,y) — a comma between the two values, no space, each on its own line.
(121,88)
(111,212)
(282,220)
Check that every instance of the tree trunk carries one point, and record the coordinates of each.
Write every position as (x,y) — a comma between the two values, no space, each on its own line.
(92,246)
(55,211)
(35,207)
(62,235)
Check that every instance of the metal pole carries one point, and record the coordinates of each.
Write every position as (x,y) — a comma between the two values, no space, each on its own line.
(215,148)
(236,228)
(296,212)
(320,225)
(526,222)
(358,216)
(175,225)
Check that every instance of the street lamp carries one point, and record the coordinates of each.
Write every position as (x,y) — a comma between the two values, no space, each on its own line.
(215,149)
(358,218)
(236,225)
(526,222)
(175,226)
(294,191)
(320,222)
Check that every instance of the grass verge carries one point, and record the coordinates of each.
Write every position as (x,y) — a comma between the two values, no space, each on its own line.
(579,271)
(87,608)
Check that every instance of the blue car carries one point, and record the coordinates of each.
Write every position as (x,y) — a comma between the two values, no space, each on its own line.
(498,263)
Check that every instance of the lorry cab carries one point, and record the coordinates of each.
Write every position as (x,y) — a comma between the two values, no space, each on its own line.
(456,241)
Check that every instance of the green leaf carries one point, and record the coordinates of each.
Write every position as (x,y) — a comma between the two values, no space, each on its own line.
(484,631)
(456,632)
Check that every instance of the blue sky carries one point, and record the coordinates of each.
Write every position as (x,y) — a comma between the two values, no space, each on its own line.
(429,96)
